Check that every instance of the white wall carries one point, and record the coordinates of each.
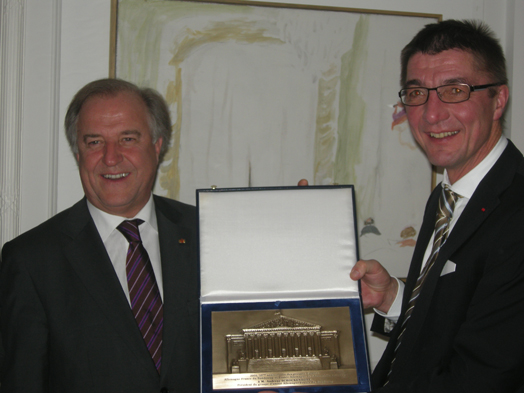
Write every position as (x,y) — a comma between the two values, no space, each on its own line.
(84,57)
(67,45)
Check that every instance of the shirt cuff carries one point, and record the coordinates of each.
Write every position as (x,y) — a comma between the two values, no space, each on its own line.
(394,311)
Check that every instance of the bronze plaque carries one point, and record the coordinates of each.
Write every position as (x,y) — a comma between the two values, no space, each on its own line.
(282,348)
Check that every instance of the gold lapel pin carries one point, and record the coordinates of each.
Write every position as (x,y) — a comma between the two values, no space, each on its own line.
(182,241)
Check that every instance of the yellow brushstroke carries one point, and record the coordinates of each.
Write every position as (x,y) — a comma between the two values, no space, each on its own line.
(325,132)
(169,176)
(351,118)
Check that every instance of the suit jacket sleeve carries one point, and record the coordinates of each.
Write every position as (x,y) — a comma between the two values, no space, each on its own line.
(23,326)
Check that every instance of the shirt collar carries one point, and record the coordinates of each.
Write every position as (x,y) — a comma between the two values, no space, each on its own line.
(106,223)
(467,184)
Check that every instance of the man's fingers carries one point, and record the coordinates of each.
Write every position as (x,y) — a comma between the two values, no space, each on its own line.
(358,271)
(303,182)
(364,267)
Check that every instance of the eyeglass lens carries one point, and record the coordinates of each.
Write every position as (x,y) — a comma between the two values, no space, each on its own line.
(447,93)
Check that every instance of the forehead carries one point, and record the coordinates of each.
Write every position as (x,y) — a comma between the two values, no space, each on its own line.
(122,107)
(445,67)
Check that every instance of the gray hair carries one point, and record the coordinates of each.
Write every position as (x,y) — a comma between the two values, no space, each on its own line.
(159,119)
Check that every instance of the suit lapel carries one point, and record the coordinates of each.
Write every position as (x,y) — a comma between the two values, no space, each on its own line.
(424,237)
(86,253)
(483,202)
(176,243)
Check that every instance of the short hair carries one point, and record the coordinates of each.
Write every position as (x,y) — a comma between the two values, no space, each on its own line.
(471,36)
(159,118)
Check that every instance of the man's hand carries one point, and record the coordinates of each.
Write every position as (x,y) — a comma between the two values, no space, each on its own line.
(379,289)
(303,182)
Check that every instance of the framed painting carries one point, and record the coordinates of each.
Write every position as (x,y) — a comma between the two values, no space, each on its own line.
(264,94)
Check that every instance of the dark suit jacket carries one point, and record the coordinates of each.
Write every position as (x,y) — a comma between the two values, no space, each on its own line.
(466,333)
(66,325)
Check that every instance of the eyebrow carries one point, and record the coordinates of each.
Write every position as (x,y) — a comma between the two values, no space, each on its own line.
(90,136)
(131,132)
(417,82)
(126,132)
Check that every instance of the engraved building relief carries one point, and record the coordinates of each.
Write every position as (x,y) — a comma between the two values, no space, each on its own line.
(282,344)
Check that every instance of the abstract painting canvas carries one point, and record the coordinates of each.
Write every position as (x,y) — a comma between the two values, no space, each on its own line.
(266,94)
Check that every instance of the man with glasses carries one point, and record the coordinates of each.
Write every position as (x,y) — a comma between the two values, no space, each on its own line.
(456,324)
(450,94)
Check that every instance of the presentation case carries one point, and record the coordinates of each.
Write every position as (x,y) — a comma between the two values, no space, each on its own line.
(279,311)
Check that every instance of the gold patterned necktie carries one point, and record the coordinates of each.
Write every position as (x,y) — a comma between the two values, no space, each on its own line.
(444,213)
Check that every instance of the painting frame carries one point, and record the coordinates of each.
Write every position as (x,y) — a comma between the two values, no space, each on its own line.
(367,221)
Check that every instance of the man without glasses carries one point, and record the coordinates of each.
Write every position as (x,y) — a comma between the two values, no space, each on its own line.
(83,307)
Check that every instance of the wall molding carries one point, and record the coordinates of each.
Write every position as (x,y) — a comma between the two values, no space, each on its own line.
(12,35)
(54,125)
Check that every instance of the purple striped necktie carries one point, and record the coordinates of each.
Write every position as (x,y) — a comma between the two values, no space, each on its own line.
(146,302)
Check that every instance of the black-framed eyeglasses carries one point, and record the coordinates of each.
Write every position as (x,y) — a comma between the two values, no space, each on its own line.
(450,94)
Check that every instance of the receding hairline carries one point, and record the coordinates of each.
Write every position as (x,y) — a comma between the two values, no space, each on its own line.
(115,94)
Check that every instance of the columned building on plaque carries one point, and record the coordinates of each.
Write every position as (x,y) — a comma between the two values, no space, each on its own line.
(282,344)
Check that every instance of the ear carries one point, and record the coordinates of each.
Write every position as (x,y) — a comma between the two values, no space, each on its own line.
(501,101)
(158,146)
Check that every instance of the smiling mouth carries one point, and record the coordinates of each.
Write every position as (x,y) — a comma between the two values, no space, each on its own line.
(116,176)
(442,134)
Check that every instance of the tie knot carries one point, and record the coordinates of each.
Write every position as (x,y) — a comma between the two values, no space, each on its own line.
(448,199)
(129,229)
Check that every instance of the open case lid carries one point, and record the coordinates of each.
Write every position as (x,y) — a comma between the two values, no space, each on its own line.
(266,244)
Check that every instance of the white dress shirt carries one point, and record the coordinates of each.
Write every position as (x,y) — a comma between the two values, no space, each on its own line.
(117,245)
(465,187)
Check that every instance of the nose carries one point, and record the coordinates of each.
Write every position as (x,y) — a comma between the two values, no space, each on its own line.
(112,154)
(435,110)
